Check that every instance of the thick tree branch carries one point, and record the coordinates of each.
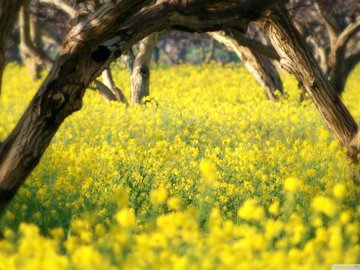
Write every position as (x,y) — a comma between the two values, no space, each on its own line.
(256,46)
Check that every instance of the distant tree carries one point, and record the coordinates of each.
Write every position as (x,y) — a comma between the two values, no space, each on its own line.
(9,11)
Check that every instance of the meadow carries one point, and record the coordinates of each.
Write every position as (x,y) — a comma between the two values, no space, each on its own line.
(207,175)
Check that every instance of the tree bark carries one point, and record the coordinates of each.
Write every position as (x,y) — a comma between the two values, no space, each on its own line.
(140,73)
(9,10)
(296,59)
(258,65)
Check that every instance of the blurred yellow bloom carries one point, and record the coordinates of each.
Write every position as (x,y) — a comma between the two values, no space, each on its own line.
(324,205)
(126,217)
(291,184)
(174,203)
(251,211)
(274,207)
(208,171)
(158,196)
(339,191)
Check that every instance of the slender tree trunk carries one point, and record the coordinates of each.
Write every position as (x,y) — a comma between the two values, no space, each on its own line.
(108,89)
(296,59)
(258,65)
(140,74)
(9,10)
(30,41)
(211,54)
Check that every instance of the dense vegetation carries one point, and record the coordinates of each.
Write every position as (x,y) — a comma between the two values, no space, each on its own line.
(207,175)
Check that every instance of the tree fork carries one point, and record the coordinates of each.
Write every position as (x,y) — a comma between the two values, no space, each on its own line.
(296,59)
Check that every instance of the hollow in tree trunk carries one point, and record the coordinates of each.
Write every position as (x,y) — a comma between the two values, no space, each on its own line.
(140,72)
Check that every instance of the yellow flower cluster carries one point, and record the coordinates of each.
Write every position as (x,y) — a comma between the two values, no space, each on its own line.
(207,175)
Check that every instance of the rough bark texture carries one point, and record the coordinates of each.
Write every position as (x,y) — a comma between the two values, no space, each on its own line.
(296,59)
(9,10)
(258,65)
(140,74)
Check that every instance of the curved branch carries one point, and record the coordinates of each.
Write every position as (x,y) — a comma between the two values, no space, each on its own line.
(258,47)
(348,33)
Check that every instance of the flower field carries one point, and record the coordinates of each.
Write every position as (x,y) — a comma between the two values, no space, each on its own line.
(207,175)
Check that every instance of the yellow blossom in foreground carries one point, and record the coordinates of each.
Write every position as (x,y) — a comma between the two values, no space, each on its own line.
(208,171)
(291,184)
(274,207)
(158,196)
(251,211)
(126,218)
(174,203)
(324,205)
(339,191)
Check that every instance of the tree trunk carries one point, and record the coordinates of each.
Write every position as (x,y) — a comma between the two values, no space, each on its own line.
(258,65)
(140,74)
(9,10)
(296,59)
(30,41)
(211,54)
